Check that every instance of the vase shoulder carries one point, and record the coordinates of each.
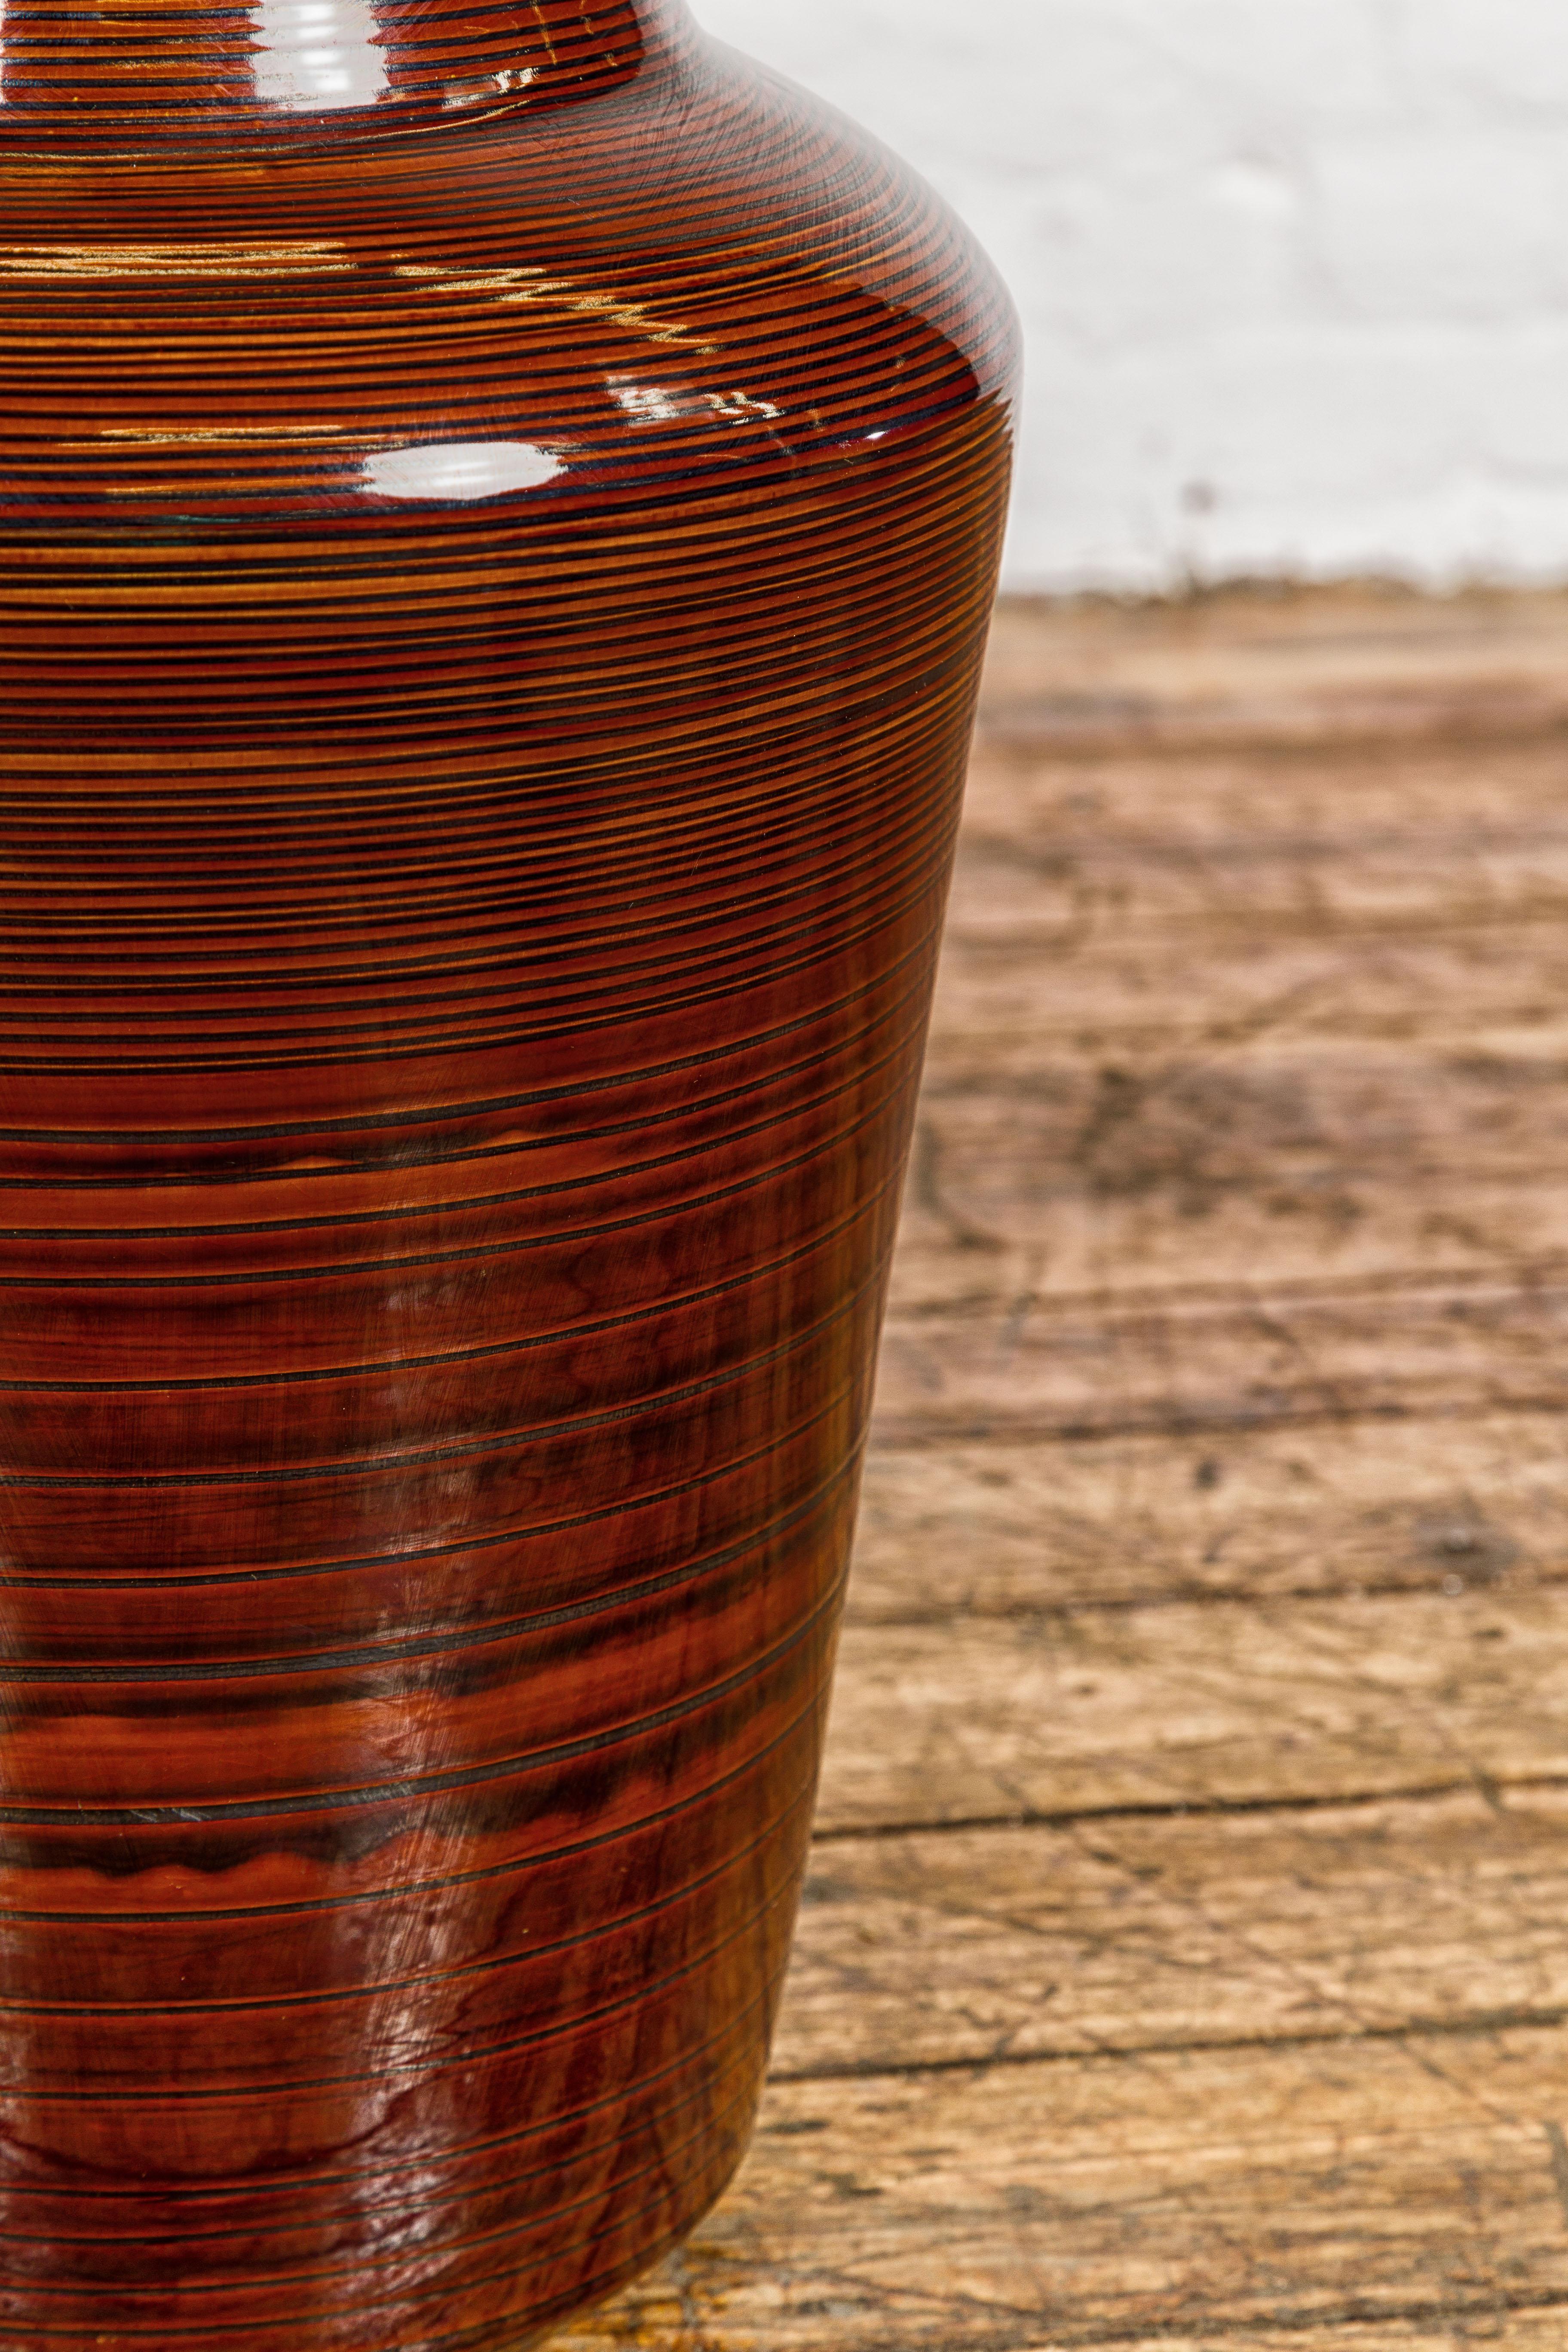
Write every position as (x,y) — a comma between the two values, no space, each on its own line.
(148,146)
(171,77)
(696,276)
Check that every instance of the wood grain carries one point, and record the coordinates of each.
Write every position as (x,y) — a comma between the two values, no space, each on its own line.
(1100,2200)
(1329,1506)
(1126,1933)
(1226,1703)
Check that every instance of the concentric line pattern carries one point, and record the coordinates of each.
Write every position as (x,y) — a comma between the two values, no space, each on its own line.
(488,629)
(127,75)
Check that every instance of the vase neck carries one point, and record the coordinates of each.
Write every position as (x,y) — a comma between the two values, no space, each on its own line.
(143,72)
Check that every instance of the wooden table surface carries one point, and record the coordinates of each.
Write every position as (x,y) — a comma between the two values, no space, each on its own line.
(1185,1959)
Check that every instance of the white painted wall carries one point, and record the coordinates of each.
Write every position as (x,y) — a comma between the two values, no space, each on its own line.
(1294,272)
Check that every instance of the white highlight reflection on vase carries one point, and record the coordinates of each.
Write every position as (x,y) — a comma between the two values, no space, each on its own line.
(458,469)
(313,55)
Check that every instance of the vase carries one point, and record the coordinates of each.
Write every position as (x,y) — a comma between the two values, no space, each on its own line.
(500,511)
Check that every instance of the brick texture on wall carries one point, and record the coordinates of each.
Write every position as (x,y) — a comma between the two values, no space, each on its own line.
(1294,273)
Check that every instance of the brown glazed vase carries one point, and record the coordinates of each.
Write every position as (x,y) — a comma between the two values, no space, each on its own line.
(499,517)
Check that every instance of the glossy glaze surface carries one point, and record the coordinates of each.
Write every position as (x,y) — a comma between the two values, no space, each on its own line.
(497,522)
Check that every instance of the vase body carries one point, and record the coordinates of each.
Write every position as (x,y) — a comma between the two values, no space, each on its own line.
(498,526)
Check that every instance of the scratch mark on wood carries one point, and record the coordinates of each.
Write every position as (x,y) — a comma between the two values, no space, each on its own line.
(1558,2144)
